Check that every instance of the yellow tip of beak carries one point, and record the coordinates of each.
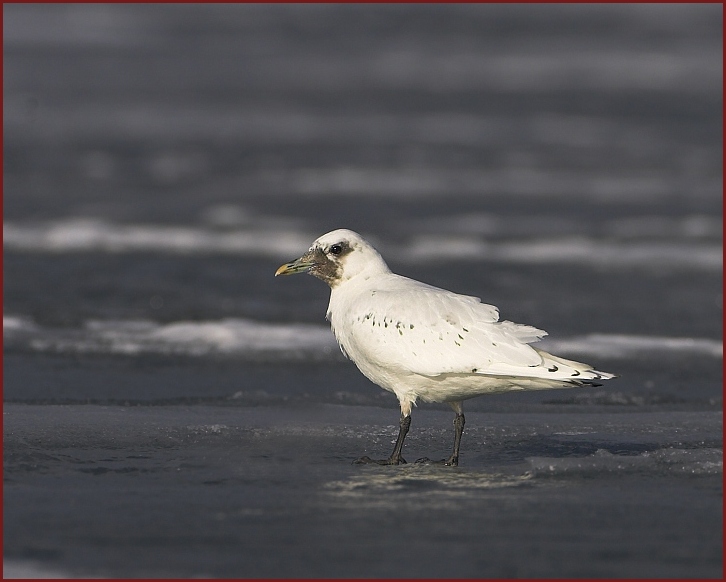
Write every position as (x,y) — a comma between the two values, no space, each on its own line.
(300,265)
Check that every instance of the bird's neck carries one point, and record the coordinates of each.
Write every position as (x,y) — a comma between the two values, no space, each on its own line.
(370,278)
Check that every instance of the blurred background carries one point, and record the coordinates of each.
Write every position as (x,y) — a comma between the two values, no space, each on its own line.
(586,136)
(562,162)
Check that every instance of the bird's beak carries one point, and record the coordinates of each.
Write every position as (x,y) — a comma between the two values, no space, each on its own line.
(300,265)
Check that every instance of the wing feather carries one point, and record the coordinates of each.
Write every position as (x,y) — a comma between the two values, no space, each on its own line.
(421,329)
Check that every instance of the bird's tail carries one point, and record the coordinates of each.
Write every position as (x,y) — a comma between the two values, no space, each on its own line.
(570,370)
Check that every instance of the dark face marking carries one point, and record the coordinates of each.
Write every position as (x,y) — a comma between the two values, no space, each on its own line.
(327,262)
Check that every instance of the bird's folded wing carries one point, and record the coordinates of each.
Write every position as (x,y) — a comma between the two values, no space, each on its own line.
(431,331)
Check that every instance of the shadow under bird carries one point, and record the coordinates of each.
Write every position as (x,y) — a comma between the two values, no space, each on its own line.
(422,342)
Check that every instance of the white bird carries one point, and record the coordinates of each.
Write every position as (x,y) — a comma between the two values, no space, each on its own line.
(422,342)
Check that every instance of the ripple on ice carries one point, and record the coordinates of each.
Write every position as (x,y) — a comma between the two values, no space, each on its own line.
(671,460)
(418,487)
(239,337)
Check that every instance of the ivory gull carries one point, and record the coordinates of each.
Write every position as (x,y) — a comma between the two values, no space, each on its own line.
(419,341)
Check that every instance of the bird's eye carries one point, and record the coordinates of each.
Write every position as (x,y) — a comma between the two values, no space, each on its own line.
(335,249)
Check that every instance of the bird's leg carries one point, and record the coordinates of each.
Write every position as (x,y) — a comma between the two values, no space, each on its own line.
(404,425)
(459,422)
(395,458)
(453,460)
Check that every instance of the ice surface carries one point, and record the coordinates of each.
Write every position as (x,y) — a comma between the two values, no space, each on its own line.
(689,462)
(270,481)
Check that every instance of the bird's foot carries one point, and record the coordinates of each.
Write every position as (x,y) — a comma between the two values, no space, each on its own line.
(450,462)
(389,461)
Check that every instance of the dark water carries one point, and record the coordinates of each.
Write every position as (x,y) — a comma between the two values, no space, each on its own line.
(171,409)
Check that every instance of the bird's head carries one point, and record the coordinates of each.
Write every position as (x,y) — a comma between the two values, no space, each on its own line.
(336,257)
